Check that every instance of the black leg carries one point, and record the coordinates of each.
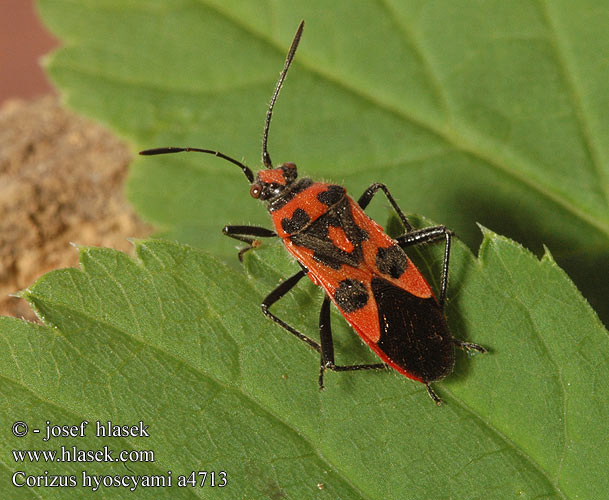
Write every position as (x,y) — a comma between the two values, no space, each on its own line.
(469,346)
(412,237)
(327,347)
(275,295)
(365,198)
(325,336)
(431,235)
(433,395)
(243,233)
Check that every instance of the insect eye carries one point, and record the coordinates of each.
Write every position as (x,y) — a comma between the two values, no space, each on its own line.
(255,190)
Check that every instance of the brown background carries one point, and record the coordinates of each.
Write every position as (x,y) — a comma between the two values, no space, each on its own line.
(61,175)
(23,41)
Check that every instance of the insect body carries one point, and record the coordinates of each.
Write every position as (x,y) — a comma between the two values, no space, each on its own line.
(363,271)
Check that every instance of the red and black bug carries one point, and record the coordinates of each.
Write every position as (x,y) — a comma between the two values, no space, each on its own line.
(363,271)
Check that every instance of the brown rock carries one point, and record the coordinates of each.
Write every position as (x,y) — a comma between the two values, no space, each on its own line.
(61,179)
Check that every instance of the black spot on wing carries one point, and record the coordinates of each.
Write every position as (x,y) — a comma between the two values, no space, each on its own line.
(342,214)
(414,334)
(351,295)
(316,237)
(332,195)
(391,261)
(299,219)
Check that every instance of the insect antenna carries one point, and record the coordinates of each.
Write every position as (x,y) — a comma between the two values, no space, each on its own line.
(161,151)
(266,158)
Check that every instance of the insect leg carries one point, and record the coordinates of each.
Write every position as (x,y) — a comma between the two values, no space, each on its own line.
(431,235)
(433,395)
(243,233)
(469,346)
(412,237)
(327,347)
(275,295)
(367,195)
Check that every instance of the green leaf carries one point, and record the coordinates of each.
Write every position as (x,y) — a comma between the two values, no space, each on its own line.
(493,112)
(177,339)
